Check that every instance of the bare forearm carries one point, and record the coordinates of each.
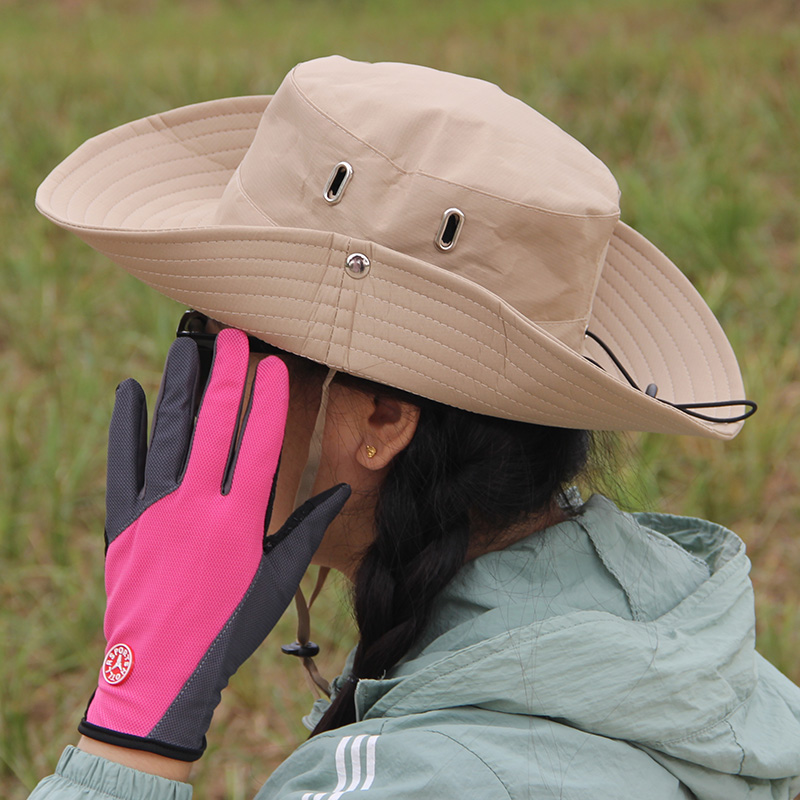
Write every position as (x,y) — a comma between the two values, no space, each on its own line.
(138,759)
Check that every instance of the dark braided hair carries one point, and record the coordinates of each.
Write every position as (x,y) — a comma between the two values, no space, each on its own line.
(463,478)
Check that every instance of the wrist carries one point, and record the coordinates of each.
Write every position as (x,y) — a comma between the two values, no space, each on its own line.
(141,760)
(153,743)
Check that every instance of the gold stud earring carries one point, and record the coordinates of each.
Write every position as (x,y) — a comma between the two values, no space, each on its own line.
(371,451)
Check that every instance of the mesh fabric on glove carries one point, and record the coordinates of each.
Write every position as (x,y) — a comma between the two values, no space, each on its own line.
(193,584)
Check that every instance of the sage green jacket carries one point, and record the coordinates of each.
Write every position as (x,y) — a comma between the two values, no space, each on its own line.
(610,656)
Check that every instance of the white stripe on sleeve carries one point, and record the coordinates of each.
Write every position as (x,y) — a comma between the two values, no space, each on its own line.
(370,776)
(355,760)
(357,767)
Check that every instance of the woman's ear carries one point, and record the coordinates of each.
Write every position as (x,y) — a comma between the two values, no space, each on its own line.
(387,431)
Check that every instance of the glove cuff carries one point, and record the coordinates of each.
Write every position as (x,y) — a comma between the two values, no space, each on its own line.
(140,743)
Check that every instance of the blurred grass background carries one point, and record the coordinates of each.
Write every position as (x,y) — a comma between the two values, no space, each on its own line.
(695,106)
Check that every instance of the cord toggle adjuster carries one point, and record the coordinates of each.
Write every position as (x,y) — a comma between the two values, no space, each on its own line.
(307,650)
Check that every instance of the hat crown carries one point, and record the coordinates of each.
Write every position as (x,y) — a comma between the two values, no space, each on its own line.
(221,206)
(462,130)
(420,141)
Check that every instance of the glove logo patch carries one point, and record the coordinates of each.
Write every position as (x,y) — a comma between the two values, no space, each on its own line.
(118,664)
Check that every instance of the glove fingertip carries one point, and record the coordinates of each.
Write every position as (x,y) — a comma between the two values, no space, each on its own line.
(271,389)
(182,367)
(129,388)
(183,346)
(273,369)
(127,451)
(328,504)
(232,335)
(130,412)
(313,517)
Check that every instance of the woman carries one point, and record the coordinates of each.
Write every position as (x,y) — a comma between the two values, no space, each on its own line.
(457,305)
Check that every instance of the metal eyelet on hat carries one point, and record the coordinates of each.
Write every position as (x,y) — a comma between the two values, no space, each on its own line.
(357,265)
(337,182)
(450,228)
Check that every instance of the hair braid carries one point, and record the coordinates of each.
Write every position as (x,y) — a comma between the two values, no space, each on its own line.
(462,475)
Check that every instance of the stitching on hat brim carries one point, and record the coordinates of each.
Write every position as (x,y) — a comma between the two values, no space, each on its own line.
(167,134)
(662,411)
(643,416)
(150,187)
(712,430)
(615,244)
(620,347)
(555,419)
(166,289)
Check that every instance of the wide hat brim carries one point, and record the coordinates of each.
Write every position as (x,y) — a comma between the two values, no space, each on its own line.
(146,195)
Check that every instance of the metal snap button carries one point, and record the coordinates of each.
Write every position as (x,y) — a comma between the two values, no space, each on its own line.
(357,265)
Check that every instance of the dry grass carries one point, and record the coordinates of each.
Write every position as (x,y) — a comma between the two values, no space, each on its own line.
(694,105)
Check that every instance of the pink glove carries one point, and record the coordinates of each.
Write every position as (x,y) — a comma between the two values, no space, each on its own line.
(193,583)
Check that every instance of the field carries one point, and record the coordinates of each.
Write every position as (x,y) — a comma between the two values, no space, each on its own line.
(695,106)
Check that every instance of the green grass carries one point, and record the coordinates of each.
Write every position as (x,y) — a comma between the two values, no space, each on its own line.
(695,106)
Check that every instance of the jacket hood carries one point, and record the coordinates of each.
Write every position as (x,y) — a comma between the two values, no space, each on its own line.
(634,627)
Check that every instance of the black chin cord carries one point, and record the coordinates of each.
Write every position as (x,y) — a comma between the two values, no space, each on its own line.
(686,408)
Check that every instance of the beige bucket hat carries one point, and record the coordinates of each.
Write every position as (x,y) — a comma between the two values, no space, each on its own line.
(417,228)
